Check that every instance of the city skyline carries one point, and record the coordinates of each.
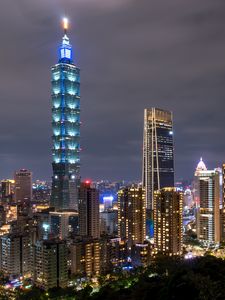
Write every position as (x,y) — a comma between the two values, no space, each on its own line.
(117,219)
(181,59)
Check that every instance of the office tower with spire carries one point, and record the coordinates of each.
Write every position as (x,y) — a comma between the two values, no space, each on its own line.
(158,152)
(207,197)
(66,128)
(201,167)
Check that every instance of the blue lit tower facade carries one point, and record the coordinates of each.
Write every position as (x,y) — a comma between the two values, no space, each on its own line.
(66,128)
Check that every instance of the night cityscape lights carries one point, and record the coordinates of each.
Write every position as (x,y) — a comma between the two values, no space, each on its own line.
(72,238)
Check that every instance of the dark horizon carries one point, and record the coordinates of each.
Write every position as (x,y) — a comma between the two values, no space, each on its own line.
(147,54)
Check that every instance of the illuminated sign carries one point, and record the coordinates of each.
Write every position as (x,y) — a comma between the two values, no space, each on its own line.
(108,198)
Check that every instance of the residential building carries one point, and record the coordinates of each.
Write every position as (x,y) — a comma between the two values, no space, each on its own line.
(132,215)
(168,223)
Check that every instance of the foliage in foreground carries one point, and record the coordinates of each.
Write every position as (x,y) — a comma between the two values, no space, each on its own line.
(168,278)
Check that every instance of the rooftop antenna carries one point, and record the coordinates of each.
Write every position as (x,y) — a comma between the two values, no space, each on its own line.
(65,25)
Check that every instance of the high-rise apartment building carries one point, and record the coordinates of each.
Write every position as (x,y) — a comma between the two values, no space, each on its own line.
(114,254)
(15,254)
(23,191)
(89,210)
(85,256)
(207,196)
(66,128)
(142,254)
(132,215)
(158,152)
(168,232)
(50,264)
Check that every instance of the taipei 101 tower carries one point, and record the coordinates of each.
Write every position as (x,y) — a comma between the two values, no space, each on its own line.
(66,128)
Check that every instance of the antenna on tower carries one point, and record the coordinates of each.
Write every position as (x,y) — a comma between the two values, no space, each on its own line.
(65,25)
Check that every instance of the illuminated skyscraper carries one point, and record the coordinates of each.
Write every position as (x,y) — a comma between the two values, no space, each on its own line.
(66,128)
(201,167)
(85,256)
(158,152)
(207,197)
(168,231)
(132,215)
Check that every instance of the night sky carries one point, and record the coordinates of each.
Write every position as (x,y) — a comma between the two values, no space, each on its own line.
(133,54)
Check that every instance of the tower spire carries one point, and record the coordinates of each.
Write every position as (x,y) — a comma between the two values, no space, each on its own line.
(65,25)
(65,49)
(201,166)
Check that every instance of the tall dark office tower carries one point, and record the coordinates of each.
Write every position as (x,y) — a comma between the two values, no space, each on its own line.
(158,152)
(66,128)
(23,191)
(89,210)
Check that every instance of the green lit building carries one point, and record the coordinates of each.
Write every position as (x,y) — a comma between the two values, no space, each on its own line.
(66,128)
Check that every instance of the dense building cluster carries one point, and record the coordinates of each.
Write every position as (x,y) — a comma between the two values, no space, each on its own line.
(51,233)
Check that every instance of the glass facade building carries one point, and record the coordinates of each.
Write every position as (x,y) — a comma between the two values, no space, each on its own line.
(207,196)
(66,129)
(158,152)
